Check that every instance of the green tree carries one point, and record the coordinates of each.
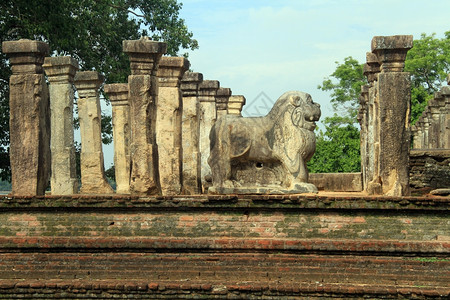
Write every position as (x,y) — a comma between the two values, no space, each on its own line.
(338,148)
(345,87)
(92,32)
(429,63)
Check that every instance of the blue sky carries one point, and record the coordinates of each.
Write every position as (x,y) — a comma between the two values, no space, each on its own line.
(263,48)
(254,46)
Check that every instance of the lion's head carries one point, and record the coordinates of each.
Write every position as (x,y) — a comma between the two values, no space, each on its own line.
(303,110)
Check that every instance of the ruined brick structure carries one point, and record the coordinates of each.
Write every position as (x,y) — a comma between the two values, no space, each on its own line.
(158,237)
(430,155)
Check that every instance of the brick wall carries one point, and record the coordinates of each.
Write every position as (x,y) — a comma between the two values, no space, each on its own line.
(429,169)
(224,247)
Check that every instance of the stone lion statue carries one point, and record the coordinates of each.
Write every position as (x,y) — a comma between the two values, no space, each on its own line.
(265,154)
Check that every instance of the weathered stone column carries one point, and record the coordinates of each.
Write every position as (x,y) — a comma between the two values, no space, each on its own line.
(29,120)
(60,72)
(363,122)
(169,108)
(435,131)
(426,129)
(190,128)
(222,97)
(415,136)
(142,92)
(445,91)
(418,144)
(371,70)
(118,95)
(394,95)
(235,104)
(93,180)
(208,115)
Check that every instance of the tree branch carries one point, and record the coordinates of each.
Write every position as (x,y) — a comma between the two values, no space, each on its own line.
(123,9)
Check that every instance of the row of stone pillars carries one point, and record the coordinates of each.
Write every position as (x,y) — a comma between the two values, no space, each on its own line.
(384,117)
(161,122)
(432,130)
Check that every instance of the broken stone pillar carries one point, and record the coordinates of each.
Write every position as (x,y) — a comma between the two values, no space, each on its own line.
(190,133)
(118,96)
(235,104)
(60,72)
(93,179)
(144,57)
(169,108)
(222,96)
(394,101)
(208,115)
(29,117)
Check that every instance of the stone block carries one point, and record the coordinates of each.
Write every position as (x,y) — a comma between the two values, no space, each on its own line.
(144,55)
(26,56)
(391,51)
(235,104)
(337,182)
(222,97)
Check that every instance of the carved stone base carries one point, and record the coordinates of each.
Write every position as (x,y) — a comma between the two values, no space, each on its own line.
(298,188)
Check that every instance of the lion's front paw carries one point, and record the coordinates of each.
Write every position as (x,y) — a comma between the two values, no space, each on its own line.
(303,187)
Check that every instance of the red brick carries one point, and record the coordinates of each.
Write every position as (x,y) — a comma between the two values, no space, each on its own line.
(153,286)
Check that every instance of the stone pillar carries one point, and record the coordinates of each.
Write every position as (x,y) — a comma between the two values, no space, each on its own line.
(190,133)
(426,129)
(235,104)
(363,122)
(118,95)
(60,72)
(394,96)
(169,108)
(435,130)
(445,91)
(222,96)
(208,115)
(419,143)
(142,92)
(93,180)
(29,121)
(371,70)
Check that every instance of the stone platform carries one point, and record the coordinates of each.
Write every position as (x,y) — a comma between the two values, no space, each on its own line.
(344,245)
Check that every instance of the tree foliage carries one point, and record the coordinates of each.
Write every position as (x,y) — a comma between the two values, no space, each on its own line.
(345,86)
(429,63)
(338,146)
(92,32)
